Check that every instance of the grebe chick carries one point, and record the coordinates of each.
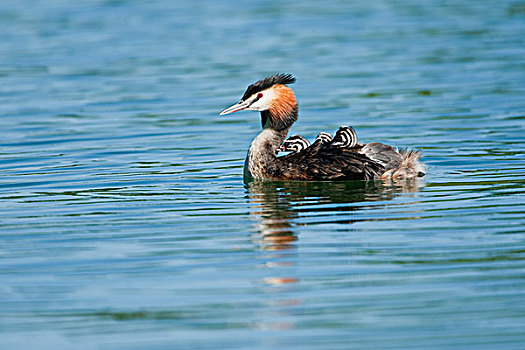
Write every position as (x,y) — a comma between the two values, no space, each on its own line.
(324,137)
(345,137)
(295,143)
(279,110)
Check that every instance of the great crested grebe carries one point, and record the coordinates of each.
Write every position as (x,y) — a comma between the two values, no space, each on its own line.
(279,110)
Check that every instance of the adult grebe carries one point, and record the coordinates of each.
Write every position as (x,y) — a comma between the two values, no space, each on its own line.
(279,110)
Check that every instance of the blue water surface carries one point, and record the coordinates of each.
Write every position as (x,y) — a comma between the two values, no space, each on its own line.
(124,220)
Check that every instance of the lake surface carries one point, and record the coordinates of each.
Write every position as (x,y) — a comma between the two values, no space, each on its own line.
(124,220)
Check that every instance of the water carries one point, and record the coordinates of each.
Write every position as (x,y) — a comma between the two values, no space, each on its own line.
(124,220)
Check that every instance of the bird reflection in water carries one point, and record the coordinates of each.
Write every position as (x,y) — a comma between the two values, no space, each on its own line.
(277,205)
(279,208)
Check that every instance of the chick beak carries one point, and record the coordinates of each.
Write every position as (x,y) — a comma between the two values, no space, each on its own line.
(236,107)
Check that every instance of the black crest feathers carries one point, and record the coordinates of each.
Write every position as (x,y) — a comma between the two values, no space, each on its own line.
(263,84)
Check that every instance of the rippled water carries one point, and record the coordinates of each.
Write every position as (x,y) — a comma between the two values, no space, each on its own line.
(124,220)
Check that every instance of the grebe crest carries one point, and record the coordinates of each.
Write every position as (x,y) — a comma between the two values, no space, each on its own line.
(295,143)
(345,137)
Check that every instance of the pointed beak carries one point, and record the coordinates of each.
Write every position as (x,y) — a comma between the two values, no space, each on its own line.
(236,107)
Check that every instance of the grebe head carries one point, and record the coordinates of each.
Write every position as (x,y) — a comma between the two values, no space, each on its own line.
(270,96)
(295,143)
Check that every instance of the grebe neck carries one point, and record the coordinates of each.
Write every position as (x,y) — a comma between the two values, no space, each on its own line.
(261,157)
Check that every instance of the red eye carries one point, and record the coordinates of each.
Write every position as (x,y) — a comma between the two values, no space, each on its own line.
(259,95)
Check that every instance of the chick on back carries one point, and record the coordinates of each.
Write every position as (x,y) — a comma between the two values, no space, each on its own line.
(324,137)
(295,143)
(345,137)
